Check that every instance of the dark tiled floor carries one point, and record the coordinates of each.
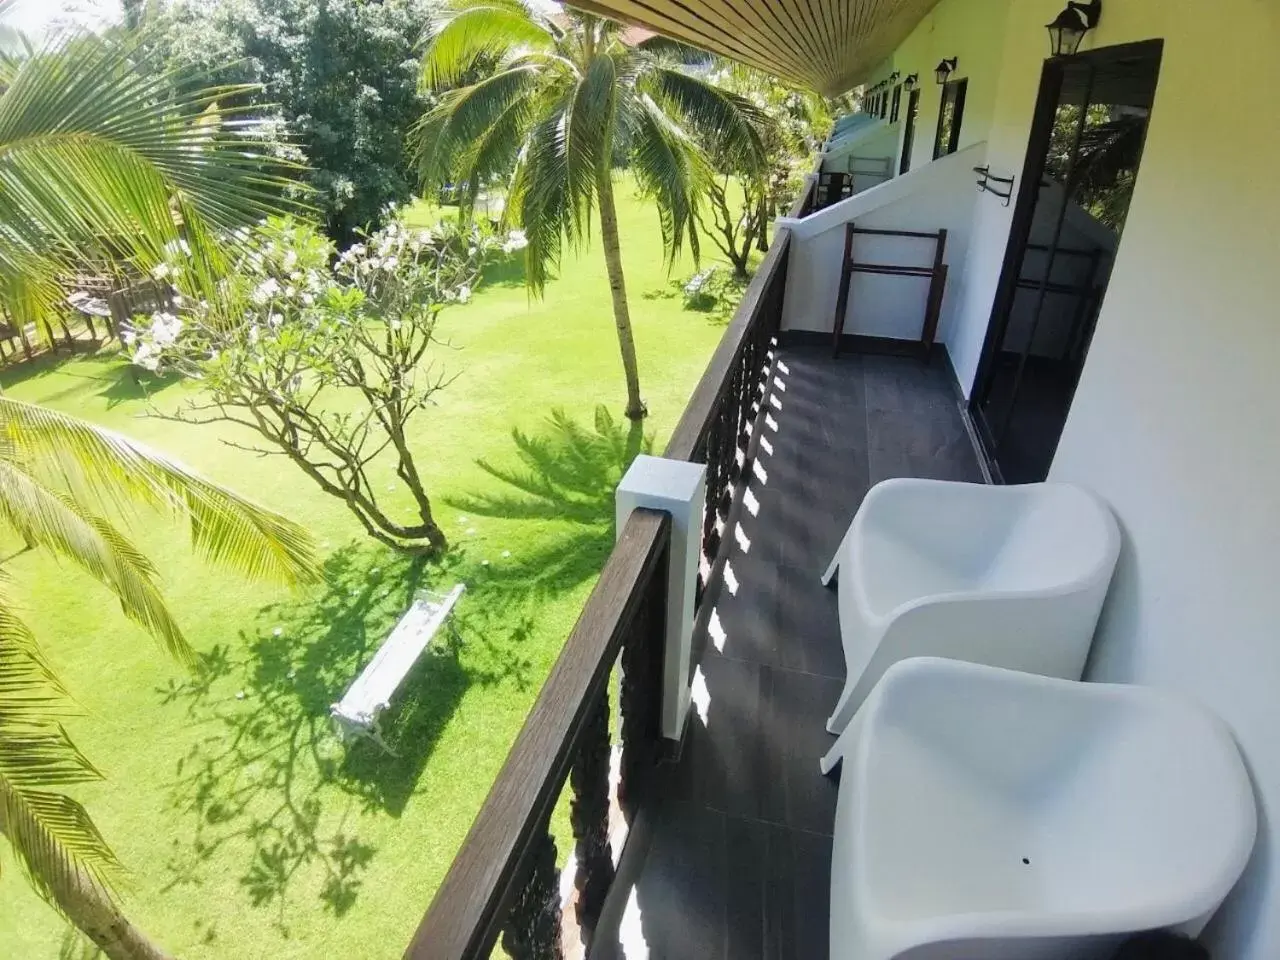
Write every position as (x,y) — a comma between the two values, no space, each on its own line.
(738,861)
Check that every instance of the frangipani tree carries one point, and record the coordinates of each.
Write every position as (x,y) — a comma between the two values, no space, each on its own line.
(565,103)
(744,194)
(327,364)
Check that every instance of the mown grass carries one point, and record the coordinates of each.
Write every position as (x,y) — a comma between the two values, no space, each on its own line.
(248,829)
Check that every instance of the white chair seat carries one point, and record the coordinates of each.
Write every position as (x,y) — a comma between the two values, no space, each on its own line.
(1008,576)
(986,813)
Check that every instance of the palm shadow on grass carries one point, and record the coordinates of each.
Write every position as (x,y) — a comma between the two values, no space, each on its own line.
(267,768)
(564,475)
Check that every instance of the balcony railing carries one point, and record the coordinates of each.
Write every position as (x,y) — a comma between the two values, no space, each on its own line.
(504,882)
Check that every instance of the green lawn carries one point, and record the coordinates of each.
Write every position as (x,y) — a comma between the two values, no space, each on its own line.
(248,830)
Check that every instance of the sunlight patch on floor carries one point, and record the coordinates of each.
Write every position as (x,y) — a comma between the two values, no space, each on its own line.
(715,630)
(700,696)
(631,930)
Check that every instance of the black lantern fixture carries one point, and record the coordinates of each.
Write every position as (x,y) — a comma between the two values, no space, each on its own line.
(1070,26)
(910,83)
(944,69)
(893,77)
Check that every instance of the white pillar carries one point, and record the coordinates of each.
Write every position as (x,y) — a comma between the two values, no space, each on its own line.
(678,488)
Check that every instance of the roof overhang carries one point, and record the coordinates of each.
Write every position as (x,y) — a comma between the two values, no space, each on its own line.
(826,45)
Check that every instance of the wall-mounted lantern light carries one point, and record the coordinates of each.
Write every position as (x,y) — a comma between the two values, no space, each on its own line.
(893,77)
(944,69)
(1070,26)
(911,81)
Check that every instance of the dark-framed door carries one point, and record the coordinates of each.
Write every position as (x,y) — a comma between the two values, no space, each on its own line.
(909,130)
(1083,157)
(946,139)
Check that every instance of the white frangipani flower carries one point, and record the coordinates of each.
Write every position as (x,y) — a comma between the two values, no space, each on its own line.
(264,291)
(147,357)
(165,328)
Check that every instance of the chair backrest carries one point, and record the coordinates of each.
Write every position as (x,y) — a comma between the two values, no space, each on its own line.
(1060,534)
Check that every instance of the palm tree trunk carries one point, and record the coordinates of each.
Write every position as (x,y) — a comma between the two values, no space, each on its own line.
(94,914)
(636,410)
(102,922)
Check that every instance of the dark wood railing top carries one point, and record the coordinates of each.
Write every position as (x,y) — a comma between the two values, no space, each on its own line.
(469,909)
(706,397)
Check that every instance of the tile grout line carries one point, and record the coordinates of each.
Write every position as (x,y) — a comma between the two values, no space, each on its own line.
(770,666)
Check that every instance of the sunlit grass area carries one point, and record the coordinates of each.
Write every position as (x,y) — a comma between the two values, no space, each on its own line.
(248,829)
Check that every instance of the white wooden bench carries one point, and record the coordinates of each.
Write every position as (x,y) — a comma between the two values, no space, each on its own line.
(356,714)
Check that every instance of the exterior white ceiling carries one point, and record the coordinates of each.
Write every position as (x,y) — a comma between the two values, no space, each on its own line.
(826,45)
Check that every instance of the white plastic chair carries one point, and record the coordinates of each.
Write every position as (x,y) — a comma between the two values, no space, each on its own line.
(995,814)
(1010,576)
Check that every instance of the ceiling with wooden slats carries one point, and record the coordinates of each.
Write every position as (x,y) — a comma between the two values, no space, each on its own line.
(826,45)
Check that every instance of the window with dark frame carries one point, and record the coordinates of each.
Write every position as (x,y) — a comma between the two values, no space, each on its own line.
(909,131)
(950,116)
(897,103)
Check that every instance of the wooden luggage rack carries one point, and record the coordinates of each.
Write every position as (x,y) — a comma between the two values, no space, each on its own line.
(936,274)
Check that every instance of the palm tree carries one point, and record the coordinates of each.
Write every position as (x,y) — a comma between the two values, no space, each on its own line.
(61,483)
(565,102)
(103,155)
(99,157)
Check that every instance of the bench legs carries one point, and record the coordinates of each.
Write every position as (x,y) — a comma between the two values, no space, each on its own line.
(348,731)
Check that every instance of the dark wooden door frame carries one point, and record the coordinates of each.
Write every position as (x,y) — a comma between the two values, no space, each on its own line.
(909,131)
(959,91)
(1042,119)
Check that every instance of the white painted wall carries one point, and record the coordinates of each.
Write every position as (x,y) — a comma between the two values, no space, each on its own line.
(938,195)
(1177,418)
(972,31)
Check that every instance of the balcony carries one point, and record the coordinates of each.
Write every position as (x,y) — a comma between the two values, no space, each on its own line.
(735,862)
(717,846)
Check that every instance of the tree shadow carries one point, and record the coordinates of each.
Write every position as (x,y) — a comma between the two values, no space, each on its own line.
(130,384)
(18,369)
(105,372)
(671,291)
(718,302)
(567,474)
(268,767)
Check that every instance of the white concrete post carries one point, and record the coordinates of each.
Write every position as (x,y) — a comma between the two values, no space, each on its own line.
(679,488)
